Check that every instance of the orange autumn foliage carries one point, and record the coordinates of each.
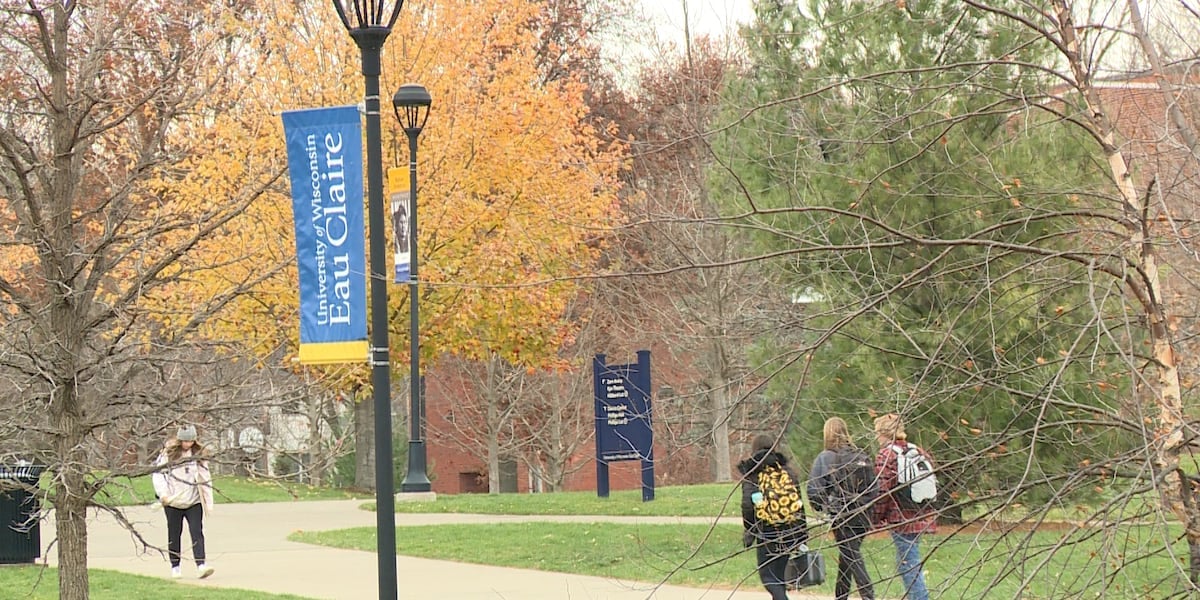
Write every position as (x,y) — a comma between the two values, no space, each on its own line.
(516,190)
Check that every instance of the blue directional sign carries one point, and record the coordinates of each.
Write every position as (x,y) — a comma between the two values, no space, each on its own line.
(624,428)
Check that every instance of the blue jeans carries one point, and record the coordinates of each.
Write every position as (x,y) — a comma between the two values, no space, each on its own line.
(908,562)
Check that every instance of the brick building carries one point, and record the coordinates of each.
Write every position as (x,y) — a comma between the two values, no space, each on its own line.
(1168,172)
(458,464)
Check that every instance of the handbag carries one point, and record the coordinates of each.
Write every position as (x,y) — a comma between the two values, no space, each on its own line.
(805,569)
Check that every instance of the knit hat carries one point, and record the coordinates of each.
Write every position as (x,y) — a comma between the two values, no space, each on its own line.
(186,434)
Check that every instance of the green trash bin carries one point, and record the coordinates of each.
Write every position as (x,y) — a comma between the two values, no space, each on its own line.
(20,519)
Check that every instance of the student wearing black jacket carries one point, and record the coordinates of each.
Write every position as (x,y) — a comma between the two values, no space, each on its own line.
(842,484)
(773,542)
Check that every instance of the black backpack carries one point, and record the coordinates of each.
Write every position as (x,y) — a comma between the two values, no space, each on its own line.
(855,485)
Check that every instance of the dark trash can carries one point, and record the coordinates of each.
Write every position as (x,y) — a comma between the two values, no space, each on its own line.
(20,525)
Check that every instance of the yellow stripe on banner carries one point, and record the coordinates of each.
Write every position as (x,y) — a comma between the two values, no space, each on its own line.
(334,352)
(397,180)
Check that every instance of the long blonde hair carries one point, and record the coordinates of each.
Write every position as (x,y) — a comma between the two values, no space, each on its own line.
(837,434)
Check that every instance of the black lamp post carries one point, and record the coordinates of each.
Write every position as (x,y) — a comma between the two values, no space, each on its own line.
(369,23)
(411,103)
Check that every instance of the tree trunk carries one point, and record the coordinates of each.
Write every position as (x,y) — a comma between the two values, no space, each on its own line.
(65,342)
(70,514)
(490,393)
(552,476)
(1148,289)
(722,467)
(554,463)
(316,451)
(70,497)
(364,443)
(1182,497)
(493,443)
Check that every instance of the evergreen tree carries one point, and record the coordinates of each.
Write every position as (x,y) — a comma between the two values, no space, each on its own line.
(895,157)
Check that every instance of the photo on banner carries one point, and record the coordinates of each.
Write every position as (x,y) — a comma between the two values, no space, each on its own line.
(325,167)
(399,200)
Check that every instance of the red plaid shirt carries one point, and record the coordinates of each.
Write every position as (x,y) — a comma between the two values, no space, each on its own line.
(888,514)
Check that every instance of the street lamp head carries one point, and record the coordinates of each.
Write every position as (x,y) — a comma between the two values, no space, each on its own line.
(367,14)
(411,103)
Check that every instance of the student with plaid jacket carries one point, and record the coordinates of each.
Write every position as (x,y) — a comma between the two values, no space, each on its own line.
(905,525)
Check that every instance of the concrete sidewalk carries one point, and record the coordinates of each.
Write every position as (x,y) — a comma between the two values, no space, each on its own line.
(247,543)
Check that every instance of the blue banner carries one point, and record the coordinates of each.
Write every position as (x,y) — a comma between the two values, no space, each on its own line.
(325,150)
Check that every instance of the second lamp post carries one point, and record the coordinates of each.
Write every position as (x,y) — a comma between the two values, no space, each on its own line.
(411,104)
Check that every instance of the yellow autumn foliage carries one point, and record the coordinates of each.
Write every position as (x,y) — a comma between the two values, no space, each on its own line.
(515,189)
(514,183)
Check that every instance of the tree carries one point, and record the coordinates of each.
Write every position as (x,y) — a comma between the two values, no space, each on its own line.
(109,117)
(558,422)
(712,314)
(985,243)
(853,131)
(517,181)
(487,396)
(1135,264)
(510,191)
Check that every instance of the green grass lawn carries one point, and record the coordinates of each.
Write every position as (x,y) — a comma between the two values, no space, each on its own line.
(1113,563)
(125,491)
(38,583)
(673,501)
(704,500)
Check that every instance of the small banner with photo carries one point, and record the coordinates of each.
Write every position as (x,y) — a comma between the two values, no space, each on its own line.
(401,229)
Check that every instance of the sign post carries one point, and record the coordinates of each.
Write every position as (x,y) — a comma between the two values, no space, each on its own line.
(623,425)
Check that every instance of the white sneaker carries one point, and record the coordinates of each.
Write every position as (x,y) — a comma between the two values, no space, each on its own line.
(176,572)
(204,570)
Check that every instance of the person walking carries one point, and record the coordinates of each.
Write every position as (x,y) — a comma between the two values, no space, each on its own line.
(184,488)
(842,485)
(906,525)
(772,513)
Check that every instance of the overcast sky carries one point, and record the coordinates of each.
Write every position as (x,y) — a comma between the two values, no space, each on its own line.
(711,17)
(663,24)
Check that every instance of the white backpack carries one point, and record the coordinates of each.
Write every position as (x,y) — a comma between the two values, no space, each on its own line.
(916,483)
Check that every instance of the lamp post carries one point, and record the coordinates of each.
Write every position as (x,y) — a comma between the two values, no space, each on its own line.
(369,24)
(411,104)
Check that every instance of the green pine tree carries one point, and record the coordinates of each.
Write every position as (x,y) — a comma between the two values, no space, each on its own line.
(895,157)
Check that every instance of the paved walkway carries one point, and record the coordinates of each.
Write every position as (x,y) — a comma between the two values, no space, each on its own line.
(248,546)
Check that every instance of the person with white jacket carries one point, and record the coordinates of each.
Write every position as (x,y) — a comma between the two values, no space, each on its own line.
(184,488)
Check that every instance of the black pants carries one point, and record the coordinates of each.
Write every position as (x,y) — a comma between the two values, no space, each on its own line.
(772,567)
(195,519)
(849,538)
